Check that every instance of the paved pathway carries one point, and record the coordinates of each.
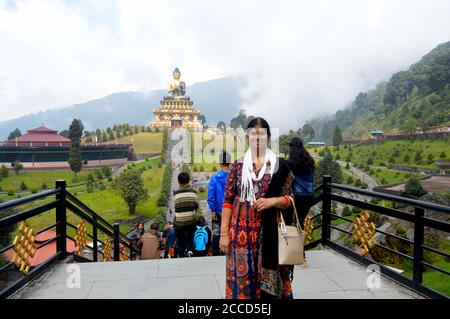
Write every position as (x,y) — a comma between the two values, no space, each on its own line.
(363,176)
(328,276)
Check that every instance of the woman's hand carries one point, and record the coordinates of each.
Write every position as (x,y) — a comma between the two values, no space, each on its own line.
(224,243)
(265,203)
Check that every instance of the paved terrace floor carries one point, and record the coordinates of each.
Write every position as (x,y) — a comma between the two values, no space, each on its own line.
(328,275)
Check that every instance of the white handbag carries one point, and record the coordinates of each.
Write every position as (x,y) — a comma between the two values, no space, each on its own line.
(291,240)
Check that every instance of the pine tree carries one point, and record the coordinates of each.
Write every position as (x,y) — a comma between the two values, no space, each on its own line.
(337,136)
(4,171)
(14,134)
(18,166)
(75,133)
(413,189)
(130,186)
(328,166)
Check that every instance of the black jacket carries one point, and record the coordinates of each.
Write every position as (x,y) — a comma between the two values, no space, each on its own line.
(269,252)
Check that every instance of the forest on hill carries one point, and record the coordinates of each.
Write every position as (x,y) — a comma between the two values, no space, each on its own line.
(415,99)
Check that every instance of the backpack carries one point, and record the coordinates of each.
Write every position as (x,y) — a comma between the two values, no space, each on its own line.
(200,238)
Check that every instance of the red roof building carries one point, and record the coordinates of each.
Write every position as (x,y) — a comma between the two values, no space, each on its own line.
(42,253)
(41,136)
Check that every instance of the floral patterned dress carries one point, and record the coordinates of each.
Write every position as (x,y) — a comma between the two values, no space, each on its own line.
(245,276)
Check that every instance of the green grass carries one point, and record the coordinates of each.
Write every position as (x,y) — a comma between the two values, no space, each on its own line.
(144,142)
(432,278)
(35,179)
(341,221)
(392,176)
(207,167)
(381,152)
(107,203)
(203,195)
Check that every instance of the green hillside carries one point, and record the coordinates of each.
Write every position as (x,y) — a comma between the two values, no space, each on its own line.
(144,142)
(411,153)
(377,159)
(415,99)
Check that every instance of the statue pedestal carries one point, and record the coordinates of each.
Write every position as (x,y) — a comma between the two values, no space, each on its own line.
(175,112)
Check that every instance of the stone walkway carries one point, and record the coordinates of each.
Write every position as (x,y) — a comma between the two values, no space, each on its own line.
(328,276)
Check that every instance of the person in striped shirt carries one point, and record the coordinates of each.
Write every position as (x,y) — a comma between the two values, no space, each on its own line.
(186,204)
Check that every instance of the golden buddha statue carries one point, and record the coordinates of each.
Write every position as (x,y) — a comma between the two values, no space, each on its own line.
(176,87)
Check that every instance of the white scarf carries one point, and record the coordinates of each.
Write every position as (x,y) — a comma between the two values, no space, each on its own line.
(249,176)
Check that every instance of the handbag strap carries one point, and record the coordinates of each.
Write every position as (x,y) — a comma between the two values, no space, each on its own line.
(296,220)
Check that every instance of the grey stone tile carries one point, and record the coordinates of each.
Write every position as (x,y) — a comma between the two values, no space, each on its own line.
(351,277)
(329,275)
(308,281)
(192,266)
(395,292)
(342,294)
(221,282)
(108,271)
(188,287)
(323,259)
(57,291)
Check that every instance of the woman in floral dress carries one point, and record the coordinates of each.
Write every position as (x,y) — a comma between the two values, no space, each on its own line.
(256,190)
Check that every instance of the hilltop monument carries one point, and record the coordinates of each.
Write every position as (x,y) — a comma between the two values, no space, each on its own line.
(176,109)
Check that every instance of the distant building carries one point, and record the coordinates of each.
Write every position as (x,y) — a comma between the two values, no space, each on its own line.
(46,145)
(377,134)
(316,143)
(443,166)
(41,136)
(43,252)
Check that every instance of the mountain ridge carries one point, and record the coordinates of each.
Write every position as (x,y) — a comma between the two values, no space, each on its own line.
(414,99)
(218,99)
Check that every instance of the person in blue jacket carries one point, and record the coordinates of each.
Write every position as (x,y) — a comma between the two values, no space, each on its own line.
(302,165)
(216,191)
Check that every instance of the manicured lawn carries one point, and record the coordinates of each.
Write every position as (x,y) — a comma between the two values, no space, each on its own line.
(145,142)
(35,179)
(432,278)
(107,203)
(339,221)
(203,195)
(391,176)
(399,150)
(207,167)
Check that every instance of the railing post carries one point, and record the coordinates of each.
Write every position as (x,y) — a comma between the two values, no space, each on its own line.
(116,242)
(131,250)
(418,245)
(326,208)
(95,239)
(61,219)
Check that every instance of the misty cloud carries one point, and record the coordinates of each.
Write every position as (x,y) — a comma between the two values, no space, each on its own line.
(306,58)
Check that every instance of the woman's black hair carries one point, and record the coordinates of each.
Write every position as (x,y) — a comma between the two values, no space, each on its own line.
(259,121)
(299,158)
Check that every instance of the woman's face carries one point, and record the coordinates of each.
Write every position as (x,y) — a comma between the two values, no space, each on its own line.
(257,138)
(141,226)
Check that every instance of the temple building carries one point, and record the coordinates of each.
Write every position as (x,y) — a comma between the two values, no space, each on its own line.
(41,136)
(176,110)
(46,145)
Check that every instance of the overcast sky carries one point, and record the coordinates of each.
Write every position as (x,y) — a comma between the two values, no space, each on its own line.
(311,57)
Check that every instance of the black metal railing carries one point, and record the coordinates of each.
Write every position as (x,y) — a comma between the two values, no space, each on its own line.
(334,193)
(327,193)
(62,202)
